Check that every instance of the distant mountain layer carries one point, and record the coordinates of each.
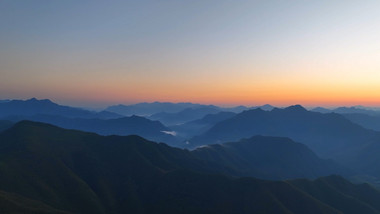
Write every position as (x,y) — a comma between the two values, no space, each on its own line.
(329,135)
(191,122)
(347,110)
(365,120)
(265,107)
(55,169)
(183,116)
(366,117)
(148,109)
(196,127)
(34,106)
(134,125)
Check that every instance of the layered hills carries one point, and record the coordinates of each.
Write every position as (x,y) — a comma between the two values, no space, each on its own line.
(70,171)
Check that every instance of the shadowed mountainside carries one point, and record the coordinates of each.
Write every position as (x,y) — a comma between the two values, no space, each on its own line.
(5,124)
(81,172)
(269,158)
(329,135)
(134,125)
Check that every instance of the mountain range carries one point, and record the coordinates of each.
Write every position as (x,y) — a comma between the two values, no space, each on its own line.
(46,169)
(34,106)
(149,109)
(367,117)
(329,135)
(183,116)
(347,110)
(134,125)
(198,126)
(365,120)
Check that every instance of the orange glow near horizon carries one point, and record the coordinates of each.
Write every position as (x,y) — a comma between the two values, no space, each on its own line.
(245,87)
(275,94)
(320,53)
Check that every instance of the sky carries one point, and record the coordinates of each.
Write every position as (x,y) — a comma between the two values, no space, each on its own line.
(98,53)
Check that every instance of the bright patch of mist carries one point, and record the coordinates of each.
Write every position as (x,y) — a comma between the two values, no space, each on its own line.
(170,132)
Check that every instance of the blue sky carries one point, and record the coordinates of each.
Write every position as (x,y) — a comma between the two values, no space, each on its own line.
(222,52)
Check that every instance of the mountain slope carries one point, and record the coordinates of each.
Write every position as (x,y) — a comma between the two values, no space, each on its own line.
(329,135)
(348,110)
(11,203)
(134,125)
(265,107)
(341,194)
(269,158)
(365,120)
(146,109)
(87,173)
(196,127)
(184,116)
(33,106)
(5,124)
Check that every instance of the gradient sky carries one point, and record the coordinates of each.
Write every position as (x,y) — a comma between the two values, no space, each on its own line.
(98,53)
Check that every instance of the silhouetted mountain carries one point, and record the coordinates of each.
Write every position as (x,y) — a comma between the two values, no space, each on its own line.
(321,110)
(5,124)
(134,125)
(236,109)
(367,118)
(377,109)
(329,135)
(197,127)
(148,109)
(184,116)
(347,110)
(265,107)
(86,173)
(269,158)
(354,110)
(34,106)
(4,101)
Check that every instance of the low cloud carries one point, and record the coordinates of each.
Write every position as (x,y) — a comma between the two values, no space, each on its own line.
(170,132)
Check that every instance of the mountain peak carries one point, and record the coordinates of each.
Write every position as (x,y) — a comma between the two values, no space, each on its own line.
(266,107)
(295,108)
(254,110)
(321,110)
(37,100)
(21,125)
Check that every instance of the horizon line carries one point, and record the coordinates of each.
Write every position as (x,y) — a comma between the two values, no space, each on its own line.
(104,106)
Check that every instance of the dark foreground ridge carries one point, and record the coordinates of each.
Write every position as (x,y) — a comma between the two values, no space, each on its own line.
(45,169)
